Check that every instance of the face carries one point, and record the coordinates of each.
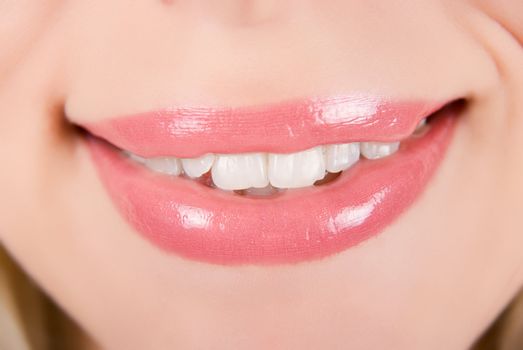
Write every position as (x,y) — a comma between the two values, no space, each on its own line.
(410,246)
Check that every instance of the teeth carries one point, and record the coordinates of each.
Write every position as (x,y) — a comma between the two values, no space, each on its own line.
(420,127)
(296,169)
(263,174)
(241,171)
(164,165)
(421,124)
(376,150)
(266,191)
(196,167)
(136,158)
(341,157)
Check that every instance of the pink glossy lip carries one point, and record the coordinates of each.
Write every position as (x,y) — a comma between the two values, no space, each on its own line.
(197,222)
(287,127)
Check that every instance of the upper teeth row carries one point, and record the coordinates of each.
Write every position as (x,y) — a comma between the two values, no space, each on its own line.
(258,170)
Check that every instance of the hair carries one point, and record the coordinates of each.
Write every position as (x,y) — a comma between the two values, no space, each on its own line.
(506,333)
(29,320)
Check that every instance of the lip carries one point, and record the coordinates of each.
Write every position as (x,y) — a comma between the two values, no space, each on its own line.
(193,221)
(187,132)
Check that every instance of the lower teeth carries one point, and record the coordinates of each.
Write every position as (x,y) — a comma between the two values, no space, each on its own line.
(259,192)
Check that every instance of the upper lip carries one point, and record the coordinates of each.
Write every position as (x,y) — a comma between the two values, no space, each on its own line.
(187,132)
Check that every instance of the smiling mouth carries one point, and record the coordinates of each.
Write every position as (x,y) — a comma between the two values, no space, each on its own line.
(274,184)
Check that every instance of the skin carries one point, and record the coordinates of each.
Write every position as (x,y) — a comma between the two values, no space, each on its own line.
(435,279)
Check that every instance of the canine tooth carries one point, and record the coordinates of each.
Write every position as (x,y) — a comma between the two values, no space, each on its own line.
(240,171)
(296,169)
(165,165)
(341,157)
(376,150)
(196,167)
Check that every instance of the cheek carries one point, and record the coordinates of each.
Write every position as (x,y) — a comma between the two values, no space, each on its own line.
(21,23)
(28,121)
(509,13)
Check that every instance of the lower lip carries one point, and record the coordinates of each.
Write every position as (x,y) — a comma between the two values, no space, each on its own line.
(193,221)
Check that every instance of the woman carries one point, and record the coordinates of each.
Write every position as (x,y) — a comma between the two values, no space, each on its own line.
(261,174)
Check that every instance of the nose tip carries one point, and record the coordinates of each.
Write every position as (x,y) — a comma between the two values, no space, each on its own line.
(234,12)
